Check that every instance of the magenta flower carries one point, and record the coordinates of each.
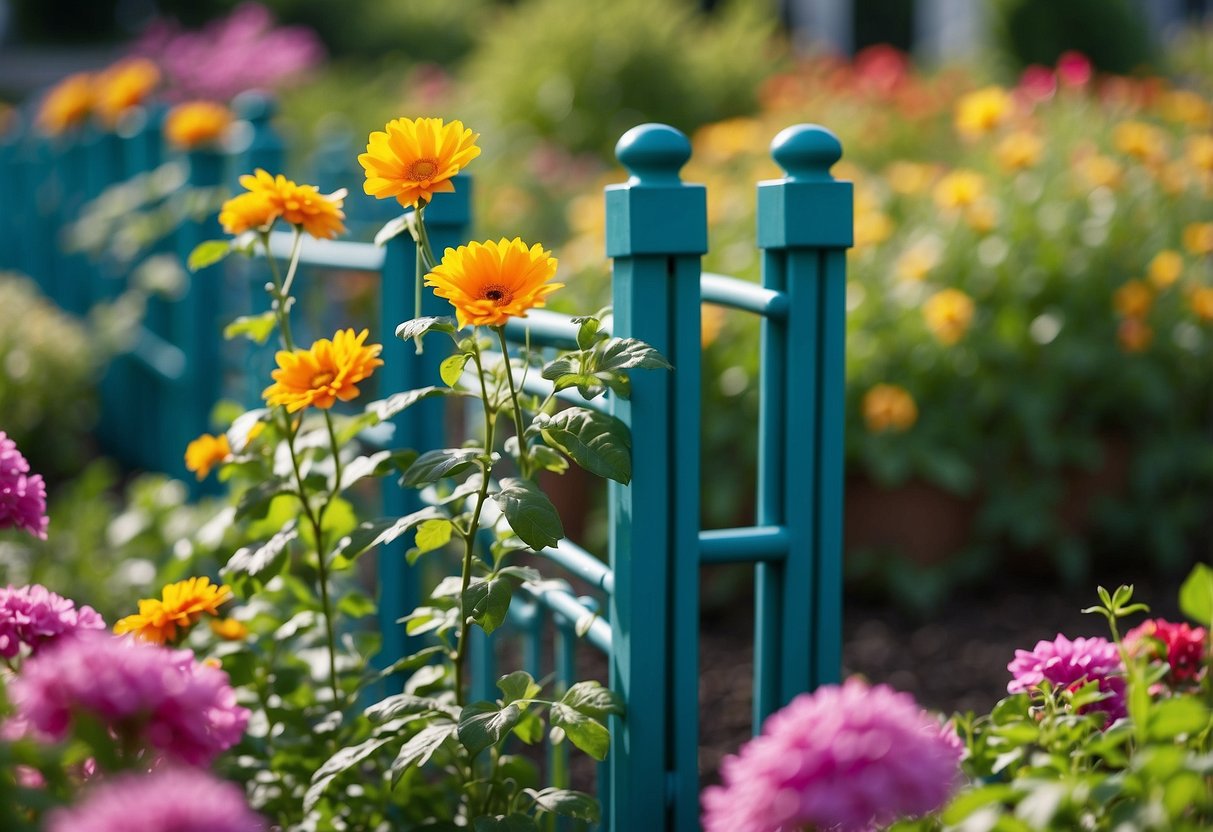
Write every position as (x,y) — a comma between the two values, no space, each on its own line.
(1065,663)
(167,800)
(843,758)
(1181,646)
(34,616)
(22,497)
(157,699)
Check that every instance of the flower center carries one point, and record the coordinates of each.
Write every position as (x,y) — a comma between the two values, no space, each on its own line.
(422,170)
(323,379)
(499,295)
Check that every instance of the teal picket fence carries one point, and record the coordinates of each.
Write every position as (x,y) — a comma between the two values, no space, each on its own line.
(639,606)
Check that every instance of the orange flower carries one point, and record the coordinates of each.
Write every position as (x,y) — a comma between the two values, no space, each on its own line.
(229,629)
(205,452)
(1142,141)
(247,211)
(1133,300)
(330,370)
(1186,107)
(416,158)
(1019,151)
(1201,302)
(1198,238)
(948,314)
(1134,335)
(887,407)
(981,111)
(179,607)
(489,283)
(1199,150)
(1098,171)
(1166,268)
(124,85)
(300,205)
(67,105)
(196,123)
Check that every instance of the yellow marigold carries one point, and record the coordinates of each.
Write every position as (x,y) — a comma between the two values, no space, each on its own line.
(1200,300)
(416,158)
(981,111)
(1134,335)
(179,607)
(916,262)
(1198,238)
(1186,107)
(67,105)
(1019,150)
(872,227)
(1173,177)
(124,85)
(1133,299)
(1098,171)
(488,283)
(728,139)
(328,371)
(982,215)
(300,205)
(909,178)
(948,314)
(229,629)
(1142,141)
(959,189)
(247,211)
(1165,268)
(1199,150)
(205,452)
(887,407)
(196,123)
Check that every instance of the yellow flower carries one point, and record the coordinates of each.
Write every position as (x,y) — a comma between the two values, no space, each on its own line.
(948,314)
(67,105)
(1133,300)
(124,85)
(205,452)
(981,111)
(1019,151)
(1198,238)
(300,205)
(1200,153)
(1142,141)
(711,321)
(1134,335)
(246,211)
(909,178)
(917,261)
(416,158)
(982,215)
(887,407)
(872,227)
(489,283)
(229,629)
(959,189)
(1201,302)
(179,607)
(1186,107)
(196,123)
(728,139)
(1099,171)
(328,371)
(1165,268)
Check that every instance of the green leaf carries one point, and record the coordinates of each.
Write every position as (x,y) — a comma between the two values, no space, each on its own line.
(559,367)
(255,502)
(257,328)
(588,334)
(343,760)
(1173,717)
(518,685)
(385,409)
(420,326)
(530,513)
(418,750)
(361,467)
(549,459)
(378,532)
(261,562)
(208,254)
(505,823)
(392,228)
(486,723)
(566,802)
(402,704)
(530,728)
(1196,595)
(434,465)
(584,732)
(629,354)
(487,601)
(451,368)
(593,700)
(356,605)
(969,801)
(433,534)
(597,442)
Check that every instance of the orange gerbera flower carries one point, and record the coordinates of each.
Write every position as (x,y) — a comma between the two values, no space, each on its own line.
(248,210)
(300,205)
(205,452)
(67,105)
(179,607)
(416,158)
(196,123)
(330,370)
(489,283)
(124,85)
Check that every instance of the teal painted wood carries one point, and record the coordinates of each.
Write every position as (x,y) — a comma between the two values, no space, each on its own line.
(656,232)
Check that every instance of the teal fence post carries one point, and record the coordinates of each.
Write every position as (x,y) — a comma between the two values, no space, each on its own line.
(804,229)
(656,231)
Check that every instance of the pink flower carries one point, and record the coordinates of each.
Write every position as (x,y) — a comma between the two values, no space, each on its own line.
(33,615)
(842,758)
(1063,663)
(1037,83)
(167,800)
(1182,646)
(22,497)
(1074,69)
(157,699)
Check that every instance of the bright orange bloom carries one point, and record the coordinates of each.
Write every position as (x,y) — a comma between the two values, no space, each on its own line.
(887,407)
(981,111)
(330,370)
(246,211)
(416,158)
(1133,299)
(179,607)
(300,205)
(205,452)
(948,314)
(196,123)
(1166,268)
(489,283)
(124,85)
(67,105)
(229,629)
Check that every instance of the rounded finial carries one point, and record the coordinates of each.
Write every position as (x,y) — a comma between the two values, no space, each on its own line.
(653,154)
(806,152)
(255,106)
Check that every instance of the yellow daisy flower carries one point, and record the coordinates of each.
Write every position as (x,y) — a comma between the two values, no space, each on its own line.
(948,314)
(416,158)
(124,85)
(489,283)
(319,376)
(179,607)
(67,105)
(981,111)
(300,205)
(246,211)
(196,123)
(205,452)
(887,407)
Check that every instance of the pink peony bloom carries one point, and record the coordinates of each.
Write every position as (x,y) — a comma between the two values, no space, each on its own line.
(158,699)
(1064,663)
(1182,646)
(34,616)
(167,800)
(843,758)
(22,497)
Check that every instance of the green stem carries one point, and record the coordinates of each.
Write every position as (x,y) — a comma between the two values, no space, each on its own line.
(524,458)
(281,305)
(423,242)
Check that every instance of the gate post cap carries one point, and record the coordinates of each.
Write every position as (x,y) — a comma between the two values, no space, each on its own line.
(653,154)
(806,152)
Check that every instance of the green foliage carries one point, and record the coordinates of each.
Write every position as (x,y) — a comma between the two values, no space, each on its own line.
(1038,32)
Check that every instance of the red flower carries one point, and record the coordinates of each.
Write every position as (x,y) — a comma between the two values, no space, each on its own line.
(1180,645)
